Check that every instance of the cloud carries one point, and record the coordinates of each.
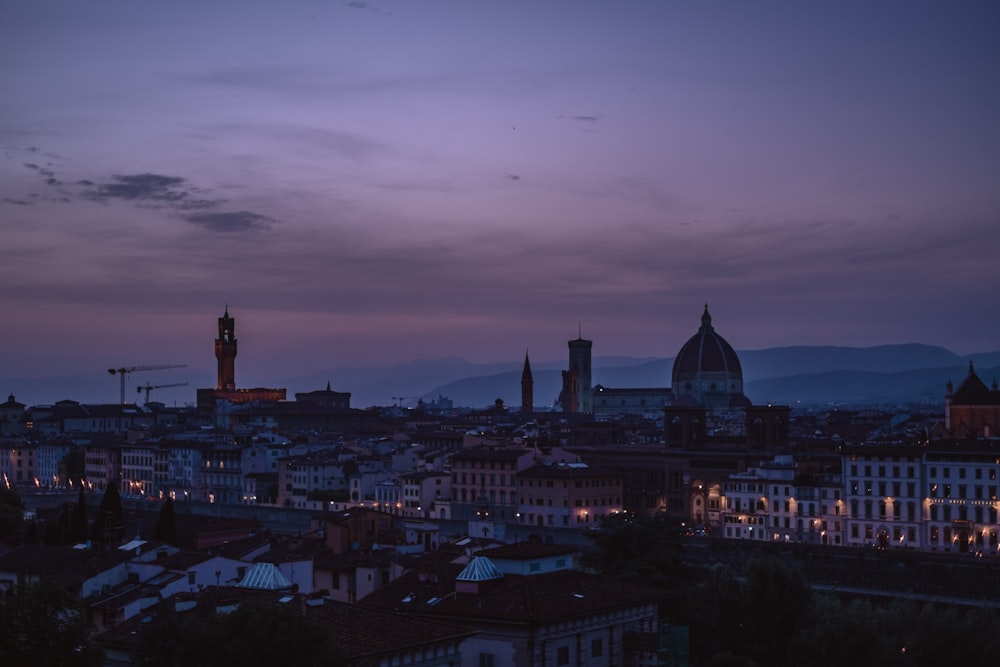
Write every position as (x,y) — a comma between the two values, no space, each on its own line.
(155,189)
(588,119)
(141,187)
(17,202)
(234,221)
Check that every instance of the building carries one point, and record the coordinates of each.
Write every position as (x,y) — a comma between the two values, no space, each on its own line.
(221,476)
(527,390)
(707,371)
(214,401)
(422,491)
(359,634)
(140,463)
(487,477)
(567,495)
(706,374)
(18,462)
(326,398)
(13,418)
(973,409)
(759,503)
(961,501)
(576,395)
(531,557)
(884,491)
(315,476)
(51,461)
(562,617)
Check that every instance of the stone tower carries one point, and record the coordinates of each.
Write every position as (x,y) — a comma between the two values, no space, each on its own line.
(527,389)
(579,366)
(225,352)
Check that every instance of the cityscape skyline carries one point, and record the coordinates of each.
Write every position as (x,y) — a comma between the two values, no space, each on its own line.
(366,184)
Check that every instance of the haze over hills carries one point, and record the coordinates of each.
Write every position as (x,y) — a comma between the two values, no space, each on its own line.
(909,373)
(791,375)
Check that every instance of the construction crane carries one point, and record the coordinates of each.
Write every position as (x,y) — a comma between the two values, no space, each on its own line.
(399,399)
(148,388)
(125,370)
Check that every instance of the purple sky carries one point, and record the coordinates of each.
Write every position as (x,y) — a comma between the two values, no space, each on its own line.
(374,182)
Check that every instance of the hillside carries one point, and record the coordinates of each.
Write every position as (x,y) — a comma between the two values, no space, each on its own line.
(887,373)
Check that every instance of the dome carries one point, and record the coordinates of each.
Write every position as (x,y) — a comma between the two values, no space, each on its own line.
(707,365)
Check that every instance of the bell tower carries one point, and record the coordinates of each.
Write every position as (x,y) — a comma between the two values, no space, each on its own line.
(527,389)
(225,352)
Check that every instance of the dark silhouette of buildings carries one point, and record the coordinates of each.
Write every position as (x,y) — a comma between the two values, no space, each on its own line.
(225,353)
(527,389)
(576,396)
(972,410)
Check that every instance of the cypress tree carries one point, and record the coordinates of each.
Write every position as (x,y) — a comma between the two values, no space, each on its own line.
(79,523)
(166,525)
(107,528)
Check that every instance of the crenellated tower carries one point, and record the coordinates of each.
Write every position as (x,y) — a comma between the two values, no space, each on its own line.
(225,352)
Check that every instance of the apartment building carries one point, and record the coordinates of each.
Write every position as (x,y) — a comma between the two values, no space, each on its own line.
(567,495)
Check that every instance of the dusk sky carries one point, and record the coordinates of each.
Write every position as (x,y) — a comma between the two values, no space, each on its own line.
(367,183)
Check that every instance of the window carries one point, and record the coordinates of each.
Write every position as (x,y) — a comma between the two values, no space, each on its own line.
(485,660)
(562,655)
(596,648)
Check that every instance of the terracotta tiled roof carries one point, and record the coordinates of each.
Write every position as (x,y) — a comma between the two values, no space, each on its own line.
(362,632)
(490,454)
(527,550)
(546,597)
(973,391)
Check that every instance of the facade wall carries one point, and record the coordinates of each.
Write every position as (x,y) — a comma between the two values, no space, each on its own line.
(577,501)
(489,478)
(421,492)
(884,491)
(50,457)
(19,463)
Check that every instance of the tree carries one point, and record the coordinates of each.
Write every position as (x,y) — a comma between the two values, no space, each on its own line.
(835,633)
(255,634)
(108,528)
(57,528)
(75,464)
(776,598)
(31,533)
(166,524)
(350,467)
(11,514)
(78,521)
(43,625)
(630,546)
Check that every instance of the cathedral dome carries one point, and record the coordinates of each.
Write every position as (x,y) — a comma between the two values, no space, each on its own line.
(707,364)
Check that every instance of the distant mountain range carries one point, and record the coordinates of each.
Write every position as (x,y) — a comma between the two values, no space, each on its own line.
(788,375)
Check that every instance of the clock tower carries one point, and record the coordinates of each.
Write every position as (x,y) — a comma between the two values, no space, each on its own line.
(225,352)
